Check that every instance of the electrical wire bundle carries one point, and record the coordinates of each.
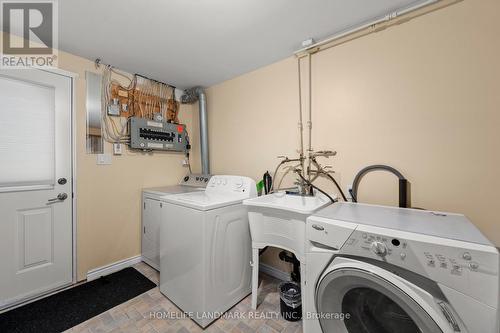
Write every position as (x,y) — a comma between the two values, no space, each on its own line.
(148,98)
(114,130)
(151,97)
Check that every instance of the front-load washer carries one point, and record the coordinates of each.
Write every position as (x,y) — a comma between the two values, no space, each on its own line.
(152,206)
(386,270)
(205,248)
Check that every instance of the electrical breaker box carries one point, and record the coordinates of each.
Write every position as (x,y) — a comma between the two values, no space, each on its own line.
(149,134)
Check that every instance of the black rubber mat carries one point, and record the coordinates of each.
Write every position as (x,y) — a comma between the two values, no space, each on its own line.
(71,307)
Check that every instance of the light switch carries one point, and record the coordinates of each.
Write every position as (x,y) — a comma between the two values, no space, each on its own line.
(103,159)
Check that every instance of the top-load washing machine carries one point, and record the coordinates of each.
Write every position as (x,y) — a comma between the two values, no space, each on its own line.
(374,269)
(152,206)
(205,248)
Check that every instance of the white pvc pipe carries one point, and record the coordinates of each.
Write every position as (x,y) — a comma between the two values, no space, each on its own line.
(386,18)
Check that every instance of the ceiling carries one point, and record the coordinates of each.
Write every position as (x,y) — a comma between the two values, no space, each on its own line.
(203,42)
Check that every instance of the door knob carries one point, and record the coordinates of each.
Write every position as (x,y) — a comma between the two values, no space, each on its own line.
(60,197)
(62,181)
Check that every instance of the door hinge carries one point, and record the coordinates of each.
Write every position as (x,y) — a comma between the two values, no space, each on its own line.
(161,205)
(144,229)
(144,205)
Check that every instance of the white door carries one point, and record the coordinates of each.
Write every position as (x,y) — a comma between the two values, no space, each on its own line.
(35,184)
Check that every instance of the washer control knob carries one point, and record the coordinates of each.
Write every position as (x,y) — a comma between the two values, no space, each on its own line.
(238,183)
(379,249)
(467,256)
(473,266)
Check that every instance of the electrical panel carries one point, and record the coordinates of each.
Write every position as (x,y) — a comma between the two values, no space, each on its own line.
(148,134)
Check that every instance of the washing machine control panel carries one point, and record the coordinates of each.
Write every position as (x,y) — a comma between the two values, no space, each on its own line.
(375,245)
(232,184)
(443,261)
(195,180)
(397,250)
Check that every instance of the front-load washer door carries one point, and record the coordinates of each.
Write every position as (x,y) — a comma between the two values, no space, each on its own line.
(351,300)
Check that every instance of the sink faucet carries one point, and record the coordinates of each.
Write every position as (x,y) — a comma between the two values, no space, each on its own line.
(304,186)
(307,175)
(284,160)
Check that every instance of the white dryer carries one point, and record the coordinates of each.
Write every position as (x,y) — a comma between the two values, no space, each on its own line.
(374,269)
(152,207)
(205,248)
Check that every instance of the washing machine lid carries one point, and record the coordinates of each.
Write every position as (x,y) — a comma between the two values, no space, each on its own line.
(204,201)
(438,224)
(173,189)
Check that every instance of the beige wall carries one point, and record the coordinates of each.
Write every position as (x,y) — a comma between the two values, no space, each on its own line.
(109,196)
(422,97)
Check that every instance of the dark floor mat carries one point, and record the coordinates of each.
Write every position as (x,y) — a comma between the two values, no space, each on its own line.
(71,307)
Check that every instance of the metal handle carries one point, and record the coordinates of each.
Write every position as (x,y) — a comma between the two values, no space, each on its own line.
(449,316)
(318,227)
(60,197)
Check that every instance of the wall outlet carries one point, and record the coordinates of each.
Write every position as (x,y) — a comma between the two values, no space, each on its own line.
(103,159)
(117,148)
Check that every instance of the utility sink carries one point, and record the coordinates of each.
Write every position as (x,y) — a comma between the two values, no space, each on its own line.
(290,202)
(279,220)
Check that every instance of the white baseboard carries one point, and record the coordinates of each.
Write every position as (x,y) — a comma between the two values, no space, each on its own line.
(111,268)
(274,272)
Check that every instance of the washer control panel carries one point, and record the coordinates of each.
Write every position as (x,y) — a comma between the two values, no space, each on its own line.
(233,184)
(379,245)
(449,262)
(415,255)
(195,180)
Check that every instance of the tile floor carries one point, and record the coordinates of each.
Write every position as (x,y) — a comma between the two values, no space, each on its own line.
(138,314)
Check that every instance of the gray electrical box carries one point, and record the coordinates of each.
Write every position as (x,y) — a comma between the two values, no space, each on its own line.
(149,134)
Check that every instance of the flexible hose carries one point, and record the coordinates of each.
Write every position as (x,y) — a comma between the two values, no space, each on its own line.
(403,183)
(337,185)
(329,177)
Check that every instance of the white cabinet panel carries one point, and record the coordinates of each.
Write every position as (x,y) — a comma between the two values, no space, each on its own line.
(151,217)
